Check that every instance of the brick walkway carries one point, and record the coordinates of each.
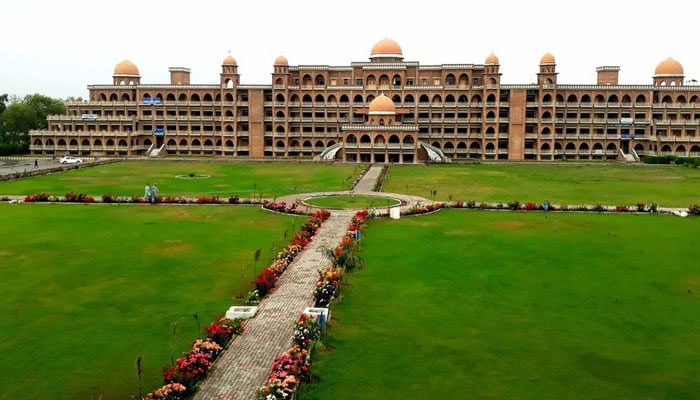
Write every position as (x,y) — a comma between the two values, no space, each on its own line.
(369,180)
(245,364)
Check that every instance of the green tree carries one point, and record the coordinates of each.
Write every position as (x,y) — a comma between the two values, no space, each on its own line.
(3,102)
(18,119)
(44,106)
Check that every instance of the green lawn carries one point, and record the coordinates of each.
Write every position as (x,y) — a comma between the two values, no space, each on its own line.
(242,179)
(610,184)
(493,305)
(352,202)
(85,289)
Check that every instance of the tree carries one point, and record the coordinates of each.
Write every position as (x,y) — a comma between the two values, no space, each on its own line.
(44,106)
(3,102)
(18,119)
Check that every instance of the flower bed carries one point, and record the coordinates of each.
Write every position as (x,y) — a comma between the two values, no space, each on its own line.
(181,379)
(294,365)
(424,209)
(530,206)
(281,207)
(109,198)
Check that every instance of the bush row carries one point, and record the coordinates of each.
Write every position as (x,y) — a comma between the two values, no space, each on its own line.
(530,206)
(689,161)
(110,198)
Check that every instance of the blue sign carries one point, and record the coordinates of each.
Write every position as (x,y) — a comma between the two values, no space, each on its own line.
(358,234)
(626,136)
(151,100)
(159,131)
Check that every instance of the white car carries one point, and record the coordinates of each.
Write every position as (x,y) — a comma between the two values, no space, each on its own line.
(71,160)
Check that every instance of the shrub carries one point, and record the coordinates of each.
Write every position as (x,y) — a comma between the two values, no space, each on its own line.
(471,204)
(219,333)
(598,208)
(265,281)
(459,204)
(641,207)
(171,391)
(234,200)
(107,198)
(306,331)
(694,209)
(531,206)
(499,206)
(514,205)
(39,197)
(621,208)
(653,207)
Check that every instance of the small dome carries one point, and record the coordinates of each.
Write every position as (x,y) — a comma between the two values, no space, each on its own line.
(491,59)
(548,58)
(126,67)
(385,47)
(669,66)
(383,105)
(281,60)
(229,60)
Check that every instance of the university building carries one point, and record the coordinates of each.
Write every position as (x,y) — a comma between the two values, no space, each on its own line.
(382,110)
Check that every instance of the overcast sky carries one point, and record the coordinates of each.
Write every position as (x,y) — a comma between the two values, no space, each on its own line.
(59,47)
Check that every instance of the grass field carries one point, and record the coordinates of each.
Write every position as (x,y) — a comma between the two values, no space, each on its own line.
(494,305)
(610,184)
(352,202)
(245,180)
(85,289)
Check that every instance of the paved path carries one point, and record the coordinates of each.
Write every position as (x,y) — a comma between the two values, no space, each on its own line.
(246,363)
(369,180)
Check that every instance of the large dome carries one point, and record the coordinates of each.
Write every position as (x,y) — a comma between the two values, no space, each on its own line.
(382,105)
(126,67)
(386,47)
(229,60)
(281,60)
(548,58)
(491,59)
(669,66)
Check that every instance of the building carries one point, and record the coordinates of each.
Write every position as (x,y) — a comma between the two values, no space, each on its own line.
(383,110)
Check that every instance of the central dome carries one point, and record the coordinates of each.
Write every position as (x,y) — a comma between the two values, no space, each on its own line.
(669,66)
(386,47)
(548,58)
(126,67)
(382,105)
(229,60)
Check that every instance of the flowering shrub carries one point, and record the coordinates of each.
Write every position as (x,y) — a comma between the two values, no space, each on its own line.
(306,331)
(107,198)
(531,206)
(171,391)
(253,297)
(514,205)
(417,210)
(40,197)
(234,200)
(207,346)
(280,206)
(208,200)
(327,286)
(598,208)
(222,330)
(79,198)
(694,209)
(622,208)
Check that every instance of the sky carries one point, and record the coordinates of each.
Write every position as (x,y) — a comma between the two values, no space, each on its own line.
(59,47)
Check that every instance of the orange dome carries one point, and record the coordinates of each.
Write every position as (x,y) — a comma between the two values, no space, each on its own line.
(126,67)
(385,47)
(669,66)
(548,58)
(382,104)
(281,60)
(491,59)
(229,60)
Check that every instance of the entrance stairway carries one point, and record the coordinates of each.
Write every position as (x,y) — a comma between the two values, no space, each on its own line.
(155,151)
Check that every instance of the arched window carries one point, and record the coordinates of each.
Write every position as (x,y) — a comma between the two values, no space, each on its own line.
(463,80)
(228,128)
(103,97)
(379,140)
(207,97)
(280,144)
(437,100)
(599,99)
(570,146)
(306,80)
(194,97)
(667,99)
(597,146)
(436,145)
(546,131)
(229,143)
(85,142)
(490,115)
(396,80)
(170,97)
(183,97)
(612,99)
(491,98)
(365,139)
(449,99)
(611,147)
(423,98)
(122,143)
(476,99)
(681,99)
(664,149)
(547,98)
(306,98)
(183,142)
(319,99)
(490,130)
(408,140)
(396,99)
(545,147)
(208,142)
(319,144)
(626,99)
(332,100)
(409,100)
(97,143)
(279,81)
(344,99)
(394,139)
(546,115)
(583,146)
(113,97)
(370,98)
(572,99)
(172,142)
(371,80)
(585,99)
(279,129)
(110,143)
(279,114)
(307,144)
(126,97)
(383,81)
(680,149)
(196,142)
(559,98)
(462,100)
(351,139)
(693,99)
(358,99)
(147,142)
(320,81)
(279,98)
(640,99)
(450,80)
(490,146)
